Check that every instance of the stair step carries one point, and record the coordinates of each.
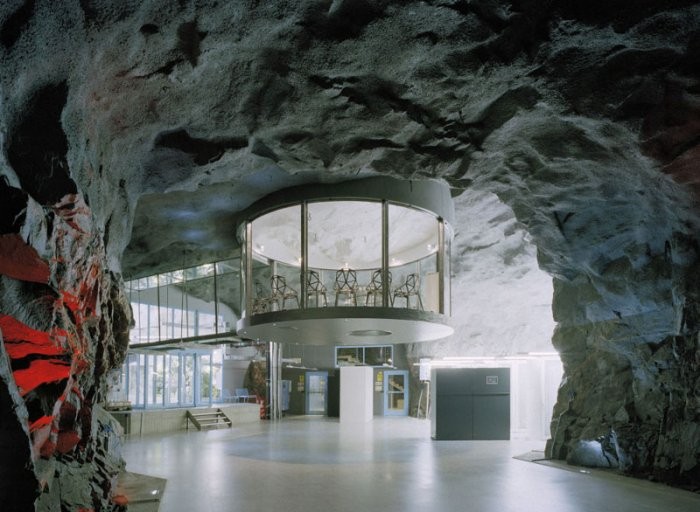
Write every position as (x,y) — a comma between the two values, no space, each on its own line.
(209,419)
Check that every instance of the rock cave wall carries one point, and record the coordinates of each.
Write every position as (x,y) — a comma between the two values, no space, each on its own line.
(149,124)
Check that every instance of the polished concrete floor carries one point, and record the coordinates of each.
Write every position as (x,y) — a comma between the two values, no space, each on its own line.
(389,465)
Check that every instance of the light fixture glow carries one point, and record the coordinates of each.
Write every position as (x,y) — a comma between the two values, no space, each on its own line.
(370,332)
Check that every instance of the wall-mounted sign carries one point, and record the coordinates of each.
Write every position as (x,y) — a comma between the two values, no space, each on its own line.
(424,369)
(492,380)
(379,382)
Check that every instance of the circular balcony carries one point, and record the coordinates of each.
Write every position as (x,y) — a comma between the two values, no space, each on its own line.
(359,262)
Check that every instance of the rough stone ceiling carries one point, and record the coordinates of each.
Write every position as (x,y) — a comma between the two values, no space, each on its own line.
(183,113)
(132,132)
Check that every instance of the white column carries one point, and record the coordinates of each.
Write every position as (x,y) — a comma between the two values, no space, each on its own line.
(356,394)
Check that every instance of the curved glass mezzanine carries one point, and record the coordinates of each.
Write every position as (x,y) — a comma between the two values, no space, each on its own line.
(347,270)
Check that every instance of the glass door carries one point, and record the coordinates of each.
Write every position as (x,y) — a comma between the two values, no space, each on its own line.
(395,393)
(316,396)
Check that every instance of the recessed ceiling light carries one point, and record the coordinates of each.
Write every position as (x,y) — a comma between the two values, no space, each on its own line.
(369,332)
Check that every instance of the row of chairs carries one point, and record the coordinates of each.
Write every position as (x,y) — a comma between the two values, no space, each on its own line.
(345,286)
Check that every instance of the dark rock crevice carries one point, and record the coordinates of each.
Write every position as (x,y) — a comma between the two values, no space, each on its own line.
(202,151)
(189,40)
(12,208)
(17,22)
(38,147)
(19,487)
(341,19)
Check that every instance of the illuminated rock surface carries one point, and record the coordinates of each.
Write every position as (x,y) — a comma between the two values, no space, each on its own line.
(573,126)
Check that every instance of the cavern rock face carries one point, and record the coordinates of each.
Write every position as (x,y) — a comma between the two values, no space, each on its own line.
(131,134)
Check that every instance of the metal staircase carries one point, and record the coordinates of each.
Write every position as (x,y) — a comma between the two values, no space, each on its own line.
(204,419)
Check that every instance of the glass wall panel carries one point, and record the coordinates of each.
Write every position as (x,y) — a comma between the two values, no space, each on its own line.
(144,301)
(155,380)
(344,248)
(173,383)
(136,370)
(185,303)
(173,380)
(217,362)
(348,356)
(429,283)
(205,382)
(413,246)
(365,355)
(447,272)
(201,306)
(276,247)
(188,379)
(379,356)
(173,307)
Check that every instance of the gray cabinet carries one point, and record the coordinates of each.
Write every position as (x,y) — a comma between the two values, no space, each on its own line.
(470,403)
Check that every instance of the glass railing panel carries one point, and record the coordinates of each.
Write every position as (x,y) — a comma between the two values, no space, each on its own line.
(261,291)
(228,300)
(227,266)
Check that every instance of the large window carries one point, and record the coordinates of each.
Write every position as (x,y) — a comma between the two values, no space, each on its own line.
(379,355)
(358,253)
(186,303)
(173,379)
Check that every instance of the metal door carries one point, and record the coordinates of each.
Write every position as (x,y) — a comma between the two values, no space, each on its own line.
(316,392)
(395,393)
